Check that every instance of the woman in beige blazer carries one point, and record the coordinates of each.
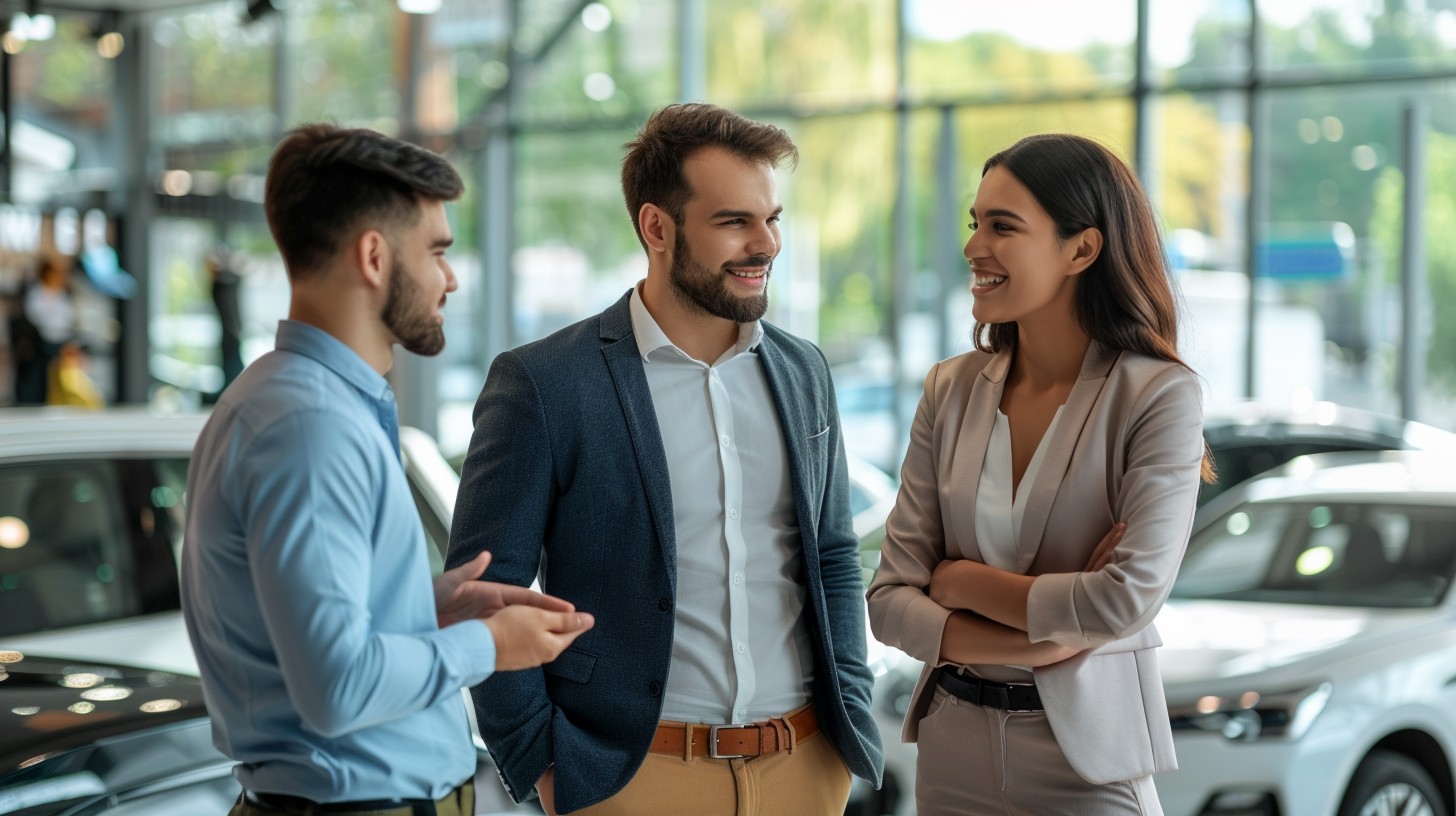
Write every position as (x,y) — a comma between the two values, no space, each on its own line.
(1046,501)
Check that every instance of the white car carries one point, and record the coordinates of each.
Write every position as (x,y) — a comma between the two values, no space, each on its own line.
(1309,653)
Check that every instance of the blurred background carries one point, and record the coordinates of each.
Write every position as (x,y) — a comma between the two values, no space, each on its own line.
(1300,154)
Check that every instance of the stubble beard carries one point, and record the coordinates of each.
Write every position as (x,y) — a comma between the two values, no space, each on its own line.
(408,317)
(702,290)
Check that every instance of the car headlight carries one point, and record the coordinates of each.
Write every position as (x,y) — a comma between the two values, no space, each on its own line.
(1250,716)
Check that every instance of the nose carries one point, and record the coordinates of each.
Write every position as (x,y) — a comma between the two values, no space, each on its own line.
(765,240)
(451,282)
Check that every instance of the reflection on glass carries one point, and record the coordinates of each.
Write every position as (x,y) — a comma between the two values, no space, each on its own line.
(1315,560)
(106,694)
(25,711)
(11,656)
(160,706)
(82,680)
(14,533)
(81,708)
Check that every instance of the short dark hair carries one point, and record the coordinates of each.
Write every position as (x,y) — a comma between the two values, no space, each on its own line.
(652,171)
(325,181)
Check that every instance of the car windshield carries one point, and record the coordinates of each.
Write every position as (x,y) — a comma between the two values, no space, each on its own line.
(1326,553)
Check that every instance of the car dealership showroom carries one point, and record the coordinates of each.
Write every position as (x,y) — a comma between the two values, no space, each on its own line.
(1300,160)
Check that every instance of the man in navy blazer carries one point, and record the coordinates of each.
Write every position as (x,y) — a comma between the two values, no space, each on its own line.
(674,466)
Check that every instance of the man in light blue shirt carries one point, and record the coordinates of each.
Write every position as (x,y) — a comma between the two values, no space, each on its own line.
(331,662)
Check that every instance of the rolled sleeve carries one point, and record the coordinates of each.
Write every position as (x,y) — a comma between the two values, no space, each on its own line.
(901,614)
(1157,498)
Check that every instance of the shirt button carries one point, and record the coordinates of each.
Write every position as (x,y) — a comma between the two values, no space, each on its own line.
(725,440)
(742,648)
(737,578)
(663,604)
(733,512)
(654,689)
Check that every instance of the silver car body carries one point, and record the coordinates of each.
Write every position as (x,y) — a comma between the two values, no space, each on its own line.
(1346,679)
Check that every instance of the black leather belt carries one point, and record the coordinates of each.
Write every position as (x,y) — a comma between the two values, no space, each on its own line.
(283,803)
(989,693)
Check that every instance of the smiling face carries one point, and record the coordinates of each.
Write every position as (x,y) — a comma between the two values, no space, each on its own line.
(729,236)
(419,280)
(1023,271)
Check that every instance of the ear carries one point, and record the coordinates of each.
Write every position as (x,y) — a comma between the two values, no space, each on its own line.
(658,229)
(374,258)
(1085,247)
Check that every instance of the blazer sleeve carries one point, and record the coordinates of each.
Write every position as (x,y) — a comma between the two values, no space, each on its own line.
(842,578)
(1159,492)
(506,493)
(901,614)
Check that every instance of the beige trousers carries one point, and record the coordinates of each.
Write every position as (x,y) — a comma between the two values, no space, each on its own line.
(978,761)
(810,780)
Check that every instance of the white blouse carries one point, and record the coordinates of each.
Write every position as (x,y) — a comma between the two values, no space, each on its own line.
(998,515)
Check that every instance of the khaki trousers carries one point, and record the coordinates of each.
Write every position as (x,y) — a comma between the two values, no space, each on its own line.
(810,780)
(979,761)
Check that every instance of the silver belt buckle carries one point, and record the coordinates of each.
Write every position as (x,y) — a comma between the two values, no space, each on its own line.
(713,741)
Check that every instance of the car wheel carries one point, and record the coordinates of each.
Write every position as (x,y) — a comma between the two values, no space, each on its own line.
(1391,784)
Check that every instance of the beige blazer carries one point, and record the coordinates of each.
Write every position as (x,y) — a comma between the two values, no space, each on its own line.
(1127,448)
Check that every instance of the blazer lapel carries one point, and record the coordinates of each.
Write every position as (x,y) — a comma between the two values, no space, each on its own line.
(624,362)
(1060,447)
(969,452)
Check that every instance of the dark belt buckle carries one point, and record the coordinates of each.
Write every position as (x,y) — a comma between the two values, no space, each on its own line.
(1013,709)
(713,741)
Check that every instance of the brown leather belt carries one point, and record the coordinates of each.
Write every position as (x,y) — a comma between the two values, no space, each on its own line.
(689,740)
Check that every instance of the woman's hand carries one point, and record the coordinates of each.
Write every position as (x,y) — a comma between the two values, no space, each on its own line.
(949,576)
(1102,556)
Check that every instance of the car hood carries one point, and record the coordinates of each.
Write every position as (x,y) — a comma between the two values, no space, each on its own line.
(1207,644)
(49,707)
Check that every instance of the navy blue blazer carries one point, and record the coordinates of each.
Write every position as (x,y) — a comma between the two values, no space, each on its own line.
(566,475)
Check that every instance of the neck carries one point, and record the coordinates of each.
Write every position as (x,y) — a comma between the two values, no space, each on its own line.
(322,308)
(1050,354)
(702,336)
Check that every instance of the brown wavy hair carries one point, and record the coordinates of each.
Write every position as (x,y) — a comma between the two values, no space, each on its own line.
(652,170)
(1124,298)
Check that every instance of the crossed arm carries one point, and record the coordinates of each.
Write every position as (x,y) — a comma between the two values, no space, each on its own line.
(988,618)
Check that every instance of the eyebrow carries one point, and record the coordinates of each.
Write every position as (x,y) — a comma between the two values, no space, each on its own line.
(1000,214)
(743,213)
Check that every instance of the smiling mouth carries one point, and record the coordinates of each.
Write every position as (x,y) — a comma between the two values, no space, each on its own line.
(752,273)
(986,281)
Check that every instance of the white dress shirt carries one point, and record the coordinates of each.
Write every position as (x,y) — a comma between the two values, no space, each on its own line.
(741,648)
(998,514)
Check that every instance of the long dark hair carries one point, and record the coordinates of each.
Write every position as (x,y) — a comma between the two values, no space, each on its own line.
(1124,299)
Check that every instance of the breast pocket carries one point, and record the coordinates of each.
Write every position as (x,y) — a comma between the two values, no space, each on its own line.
(573,664)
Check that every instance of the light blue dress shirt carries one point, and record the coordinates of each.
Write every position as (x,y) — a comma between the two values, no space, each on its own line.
(307,590)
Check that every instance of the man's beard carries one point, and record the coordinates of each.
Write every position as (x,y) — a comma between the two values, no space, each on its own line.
(409,317)
(704,290)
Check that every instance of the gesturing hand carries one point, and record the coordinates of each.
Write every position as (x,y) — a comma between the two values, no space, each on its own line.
(460,597)
(527,636)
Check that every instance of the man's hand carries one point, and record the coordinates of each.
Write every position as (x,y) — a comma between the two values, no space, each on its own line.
(460,597)
(1102,556)
(545,788)
(528,636)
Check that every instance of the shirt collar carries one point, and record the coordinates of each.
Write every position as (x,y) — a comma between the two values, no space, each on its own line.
(331,352)
(651,337)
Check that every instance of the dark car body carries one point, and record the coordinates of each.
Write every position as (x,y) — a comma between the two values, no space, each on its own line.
(85,737)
